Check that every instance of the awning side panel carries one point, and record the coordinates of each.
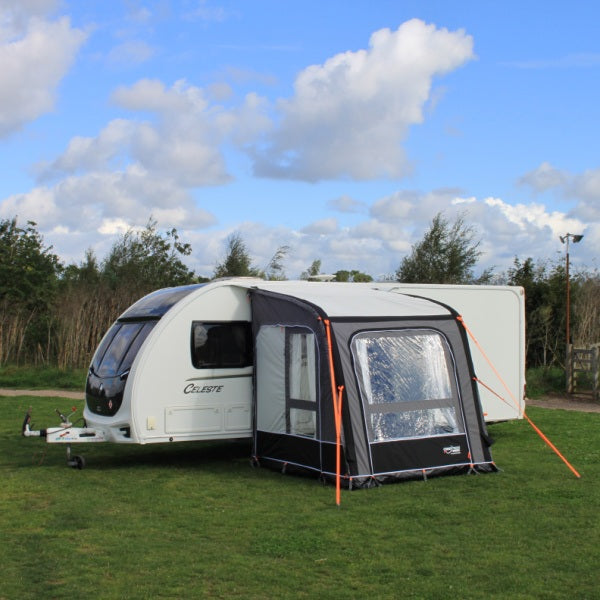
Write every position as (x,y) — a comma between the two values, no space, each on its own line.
(292,392)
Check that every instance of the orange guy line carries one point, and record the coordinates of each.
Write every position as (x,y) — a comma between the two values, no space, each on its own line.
(522,412)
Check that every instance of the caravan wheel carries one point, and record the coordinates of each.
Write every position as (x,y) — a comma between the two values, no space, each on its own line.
(78,462)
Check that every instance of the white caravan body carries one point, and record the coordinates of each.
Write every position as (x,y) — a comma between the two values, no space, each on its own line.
(165,397)
(150,383)
(495,315)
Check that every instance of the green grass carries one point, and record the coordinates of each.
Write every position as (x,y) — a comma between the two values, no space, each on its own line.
(195,520)
(542,381)
(42,378)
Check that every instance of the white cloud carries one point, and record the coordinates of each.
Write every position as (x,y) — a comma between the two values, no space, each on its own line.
(180,143)
(346,204)
(395,207)
(38,205)
(524,216)
(350,115)
(250,121)
(505,231)
(464,201)
(132,169)
(586,187)
(543,178)
(321,227)
(15,15)
(412,208)
(347,118)
(534,228)
(379,229)
(152,95)
(87,153)
(35,55)
(220,91)
(87,203)
(377,244)
(95,208)
(583,187)
(184,142)
(113,226)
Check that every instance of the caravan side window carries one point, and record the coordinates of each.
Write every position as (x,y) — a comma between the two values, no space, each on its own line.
(221,345)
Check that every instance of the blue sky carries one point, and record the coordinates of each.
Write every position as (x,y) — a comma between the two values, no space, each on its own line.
(337,128)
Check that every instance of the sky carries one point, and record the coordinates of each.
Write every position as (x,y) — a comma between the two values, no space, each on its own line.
(336,128)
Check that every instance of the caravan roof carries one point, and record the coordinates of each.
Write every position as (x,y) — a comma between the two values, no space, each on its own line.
(354,300)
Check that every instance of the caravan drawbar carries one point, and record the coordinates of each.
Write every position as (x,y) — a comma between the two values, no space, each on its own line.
(240,358)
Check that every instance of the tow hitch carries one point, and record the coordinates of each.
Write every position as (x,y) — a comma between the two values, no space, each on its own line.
(65,434)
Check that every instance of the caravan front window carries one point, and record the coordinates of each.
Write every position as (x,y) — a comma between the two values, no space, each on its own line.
(221,345)
(120,347)
(407,383)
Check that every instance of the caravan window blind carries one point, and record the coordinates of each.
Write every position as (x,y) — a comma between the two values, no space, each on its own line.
(223,345)
(407,384)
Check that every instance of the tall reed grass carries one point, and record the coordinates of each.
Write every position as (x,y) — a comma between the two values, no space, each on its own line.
(69,333)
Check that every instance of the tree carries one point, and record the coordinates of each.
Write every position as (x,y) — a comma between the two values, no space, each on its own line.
(545,309)
(147,260)
(237,263)
(92,296)
(274,270)
(586,308)
(28,270)
(88,272)
(355,276)
(313,270)
(447,253)
(28,286)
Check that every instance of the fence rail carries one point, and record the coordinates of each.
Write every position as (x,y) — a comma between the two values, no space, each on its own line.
(583,366)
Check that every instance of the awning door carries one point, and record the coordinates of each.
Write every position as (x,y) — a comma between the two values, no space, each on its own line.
(413,414)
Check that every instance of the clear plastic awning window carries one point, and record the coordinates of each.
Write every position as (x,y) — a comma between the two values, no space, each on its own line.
(405,382)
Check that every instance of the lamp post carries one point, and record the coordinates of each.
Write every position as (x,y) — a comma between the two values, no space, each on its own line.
(565,240)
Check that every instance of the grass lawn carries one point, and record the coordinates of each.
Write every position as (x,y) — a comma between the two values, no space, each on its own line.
(42,378)
(195,520)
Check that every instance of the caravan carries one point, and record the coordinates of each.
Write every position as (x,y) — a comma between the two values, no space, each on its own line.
(244,358)
(495,314)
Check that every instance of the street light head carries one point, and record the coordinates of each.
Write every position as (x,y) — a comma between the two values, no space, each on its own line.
(565,238)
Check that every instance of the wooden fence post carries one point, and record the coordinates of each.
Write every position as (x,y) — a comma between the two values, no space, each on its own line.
(569,368)
(596,369)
